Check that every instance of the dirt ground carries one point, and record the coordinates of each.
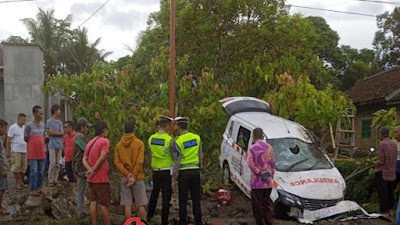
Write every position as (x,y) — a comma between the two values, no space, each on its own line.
(237,212)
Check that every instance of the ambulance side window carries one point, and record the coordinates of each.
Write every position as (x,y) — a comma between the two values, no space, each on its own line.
(230,131)
(243,138)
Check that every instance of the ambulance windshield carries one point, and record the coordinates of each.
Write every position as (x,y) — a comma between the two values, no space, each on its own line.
(292,155)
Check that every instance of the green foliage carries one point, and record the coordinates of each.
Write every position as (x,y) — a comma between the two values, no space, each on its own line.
(16,40)
(302,102)
(361,188)
(386,118)
(217,56)
(357,64)
(387,39)
(65,50)
(230,37)
(328,39)
(356,71)
(80,54)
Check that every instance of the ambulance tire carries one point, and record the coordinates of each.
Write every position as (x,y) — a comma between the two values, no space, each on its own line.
(226,177)
(281,211)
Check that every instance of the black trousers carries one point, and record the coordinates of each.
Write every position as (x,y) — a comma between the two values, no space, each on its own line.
(262,205)
(189,180)
(70,172)
(161,182)
(385,193)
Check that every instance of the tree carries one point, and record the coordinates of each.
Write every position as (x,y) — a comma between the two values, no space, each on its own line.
(300,101)
(358,65)
(52,34)
(387,39)
(228,36)
(81,55)
(16,40)
(327,48)
(65,50)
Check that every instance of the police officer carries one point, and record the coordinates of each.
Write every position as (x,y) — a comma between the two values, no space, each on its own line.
(186,152)
(161,162)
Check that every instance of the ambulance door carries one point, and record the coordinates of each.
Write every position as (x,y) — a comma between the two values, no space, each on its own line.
(234,152)
(246,172)
(243,141)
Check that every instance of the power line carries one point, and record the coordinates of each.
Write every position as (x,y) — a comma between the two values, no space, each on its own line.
(381,2)
(16,1)
(331,10)
(94,13)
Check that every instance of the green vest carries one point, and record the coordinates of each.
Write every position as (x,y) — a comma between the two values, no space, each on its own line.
(189,144)
(160,151)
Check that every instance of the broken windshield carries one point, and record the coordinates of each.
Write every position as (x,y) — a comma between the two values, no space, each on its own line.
(292,155)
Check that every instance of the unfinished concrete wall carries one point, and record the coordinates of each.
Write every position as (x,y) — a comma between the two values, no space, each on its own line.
(1,95)
(23,79)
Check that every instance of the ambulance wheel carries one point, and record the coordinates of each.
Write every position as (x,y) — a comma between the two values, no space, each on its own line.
(227,174)
(281,211)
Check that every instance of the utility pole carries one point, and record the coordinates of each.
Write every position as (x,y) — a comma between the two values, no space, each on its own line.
(172,64)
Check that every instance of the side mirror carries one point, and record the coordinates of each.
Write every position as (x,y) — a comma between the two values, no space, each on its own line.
(372,150)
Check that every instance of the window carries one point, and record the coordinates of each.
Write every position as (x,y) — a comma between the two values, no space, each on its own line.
(292,155)
(243,138)
(230,130)
(366,123)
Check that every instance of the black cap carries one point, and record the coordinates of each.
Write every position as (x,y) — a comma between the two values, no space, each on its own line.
(84,121)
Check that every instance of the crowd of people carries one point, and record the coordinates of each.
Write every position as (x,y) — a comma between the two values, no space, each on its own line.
(87,164)
(172,160)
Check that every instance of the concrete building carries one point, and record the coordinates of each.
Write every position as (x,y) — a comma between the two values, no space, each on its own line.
(21,79)
(380,91)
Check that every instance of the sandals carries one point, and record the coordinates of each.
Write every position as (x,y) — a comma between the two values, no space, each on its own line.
(4,212)
(35,193)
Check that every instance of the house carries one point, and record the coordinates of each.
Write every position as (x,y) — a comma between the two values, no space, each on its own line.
(21,79)
(380,91)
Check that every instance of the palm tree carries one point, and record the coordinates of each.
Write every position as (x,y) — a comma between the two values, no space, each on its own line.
(16,40)
(82,54)
(53,35)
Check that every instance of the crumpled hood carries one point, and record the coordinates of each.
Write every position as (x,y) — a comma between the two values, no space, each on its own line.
(127,139)
(324,184)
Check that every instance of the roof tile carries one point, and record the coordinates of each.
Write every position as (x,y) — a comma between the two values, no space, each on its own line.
(376,87)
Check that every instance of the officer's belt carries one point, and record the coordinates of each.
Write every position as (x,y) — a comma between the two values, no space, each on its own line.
(189,165)
(162,169)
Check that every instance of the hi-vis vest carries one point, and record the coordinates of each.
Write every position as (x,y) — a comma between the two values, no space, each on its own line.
(160,152)
(189,144)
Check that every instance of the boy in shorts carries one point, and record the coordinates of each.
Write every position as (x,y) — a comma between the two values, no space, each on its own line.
(128,158)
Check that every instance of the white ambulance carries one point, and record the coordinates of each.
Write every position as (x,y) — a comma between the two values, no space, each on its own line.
(306,183)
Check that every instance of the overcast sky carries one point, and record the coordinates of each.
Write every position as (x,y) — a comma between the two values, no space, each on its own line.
(120,21)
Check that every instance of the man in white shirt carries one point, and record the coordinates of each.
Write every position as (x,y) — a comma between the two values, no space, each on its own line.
(17,149)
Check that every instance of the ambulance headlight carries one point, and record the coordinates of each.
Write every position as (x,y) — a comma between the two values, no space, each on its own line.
(289,199)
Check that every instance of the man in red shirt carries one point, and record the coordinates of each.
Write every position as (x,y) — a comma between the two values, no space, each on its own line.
(95,160)
(34,136)
(68,146)
(385,171)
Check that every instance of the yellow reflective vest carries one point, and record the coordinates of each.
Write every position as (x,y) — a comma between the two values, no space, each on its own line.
(160,151)
(189,145)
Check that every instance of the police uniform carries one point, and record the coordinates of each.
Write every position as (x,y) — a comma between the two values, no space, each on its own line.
(186,170)
(161,162)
